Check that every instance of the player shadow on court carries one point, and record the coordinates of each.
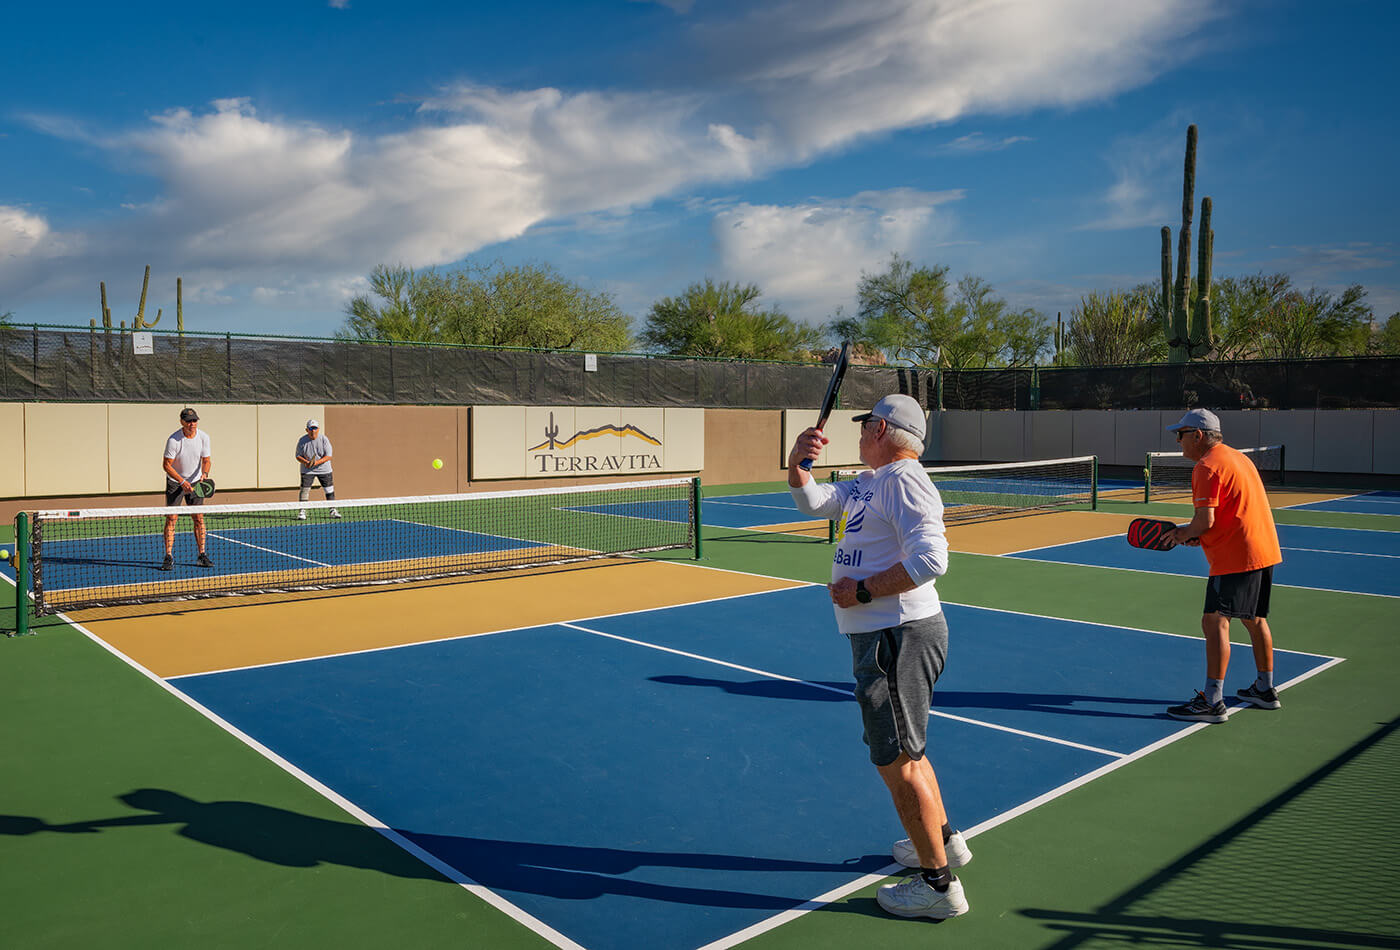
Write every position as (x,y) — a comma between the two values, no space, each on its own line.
(1061,704)
(569,872)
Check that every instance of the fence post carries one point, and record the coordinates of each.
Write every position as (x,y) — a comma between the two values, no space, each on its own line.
(228,364)
(21,574)
(695,519)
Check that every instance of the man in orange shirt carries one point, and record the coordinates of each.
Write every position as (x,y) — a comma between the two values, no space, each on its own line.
(1235,528)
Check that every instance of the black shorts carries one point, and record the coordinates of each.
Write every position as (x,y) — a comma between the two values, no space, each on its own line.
(308,479)
(895,670)
(1244,595)
(173,491)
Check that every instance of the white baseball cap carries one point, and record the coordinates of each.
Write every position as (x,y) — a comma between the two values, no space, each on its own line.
(902,412)
(312,424)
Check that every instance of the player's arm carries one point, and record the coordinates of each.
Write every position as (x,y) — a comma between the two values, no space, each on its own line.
(205,464)
(808,446)
(173,475)
(1200,523)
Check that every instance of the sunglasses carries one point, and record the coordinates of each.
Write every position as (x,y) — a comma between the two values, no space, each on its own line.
(1181,432)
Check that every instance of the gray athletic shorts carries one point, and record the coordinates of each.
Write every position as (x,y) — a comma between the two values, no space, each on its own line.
(895,669)
(308,480)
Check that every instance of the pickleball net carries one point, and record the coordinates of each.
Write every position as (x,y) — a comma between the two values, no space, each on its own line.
(1006,489)
(109,556)
(1168,474)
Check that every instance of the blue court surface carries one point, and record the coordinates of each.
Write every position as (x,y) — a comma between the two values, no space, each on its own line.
(1342,559)
(666,778)
(1371,503)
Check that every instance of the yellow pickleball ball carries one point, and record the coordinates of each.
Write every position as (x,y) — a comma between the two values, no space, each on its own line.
(437,463)
(4,555)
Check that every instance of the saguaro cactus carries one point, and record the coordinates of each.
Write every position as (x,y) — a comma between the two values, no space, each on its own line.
(139,322)
(1188,327)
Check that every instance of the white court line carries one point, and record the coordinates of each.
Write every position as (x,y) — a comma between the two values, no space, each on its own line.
(1348,553)
(832,689)
(515,913)
(259,547)
(830,897)
(1136,570)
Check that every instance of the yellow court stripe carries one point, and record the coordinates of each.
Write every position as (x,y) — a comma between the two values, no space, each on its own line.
(200,637)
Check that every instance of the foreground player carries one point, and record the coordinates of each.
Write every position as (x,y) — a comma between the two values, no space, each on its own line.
(890,548)
(187,460)
(1235,528)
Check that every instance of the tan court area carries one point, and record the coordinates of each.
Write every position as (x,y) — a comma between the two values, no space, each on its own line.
(1034,531)
(203,636)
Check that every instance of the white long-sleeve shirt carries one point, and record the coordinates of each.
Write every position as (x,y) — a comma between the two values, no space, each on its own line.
(890,516)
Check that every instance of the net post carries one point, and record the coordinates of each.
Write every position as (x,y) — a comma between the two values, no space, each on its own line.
(830,524)
(1147,478)
(22,574)
(1094,486)
(695,514)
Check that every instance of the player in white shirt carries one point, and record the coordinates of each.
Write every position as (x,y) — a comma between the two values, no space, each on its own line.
(187,460)
(890,546)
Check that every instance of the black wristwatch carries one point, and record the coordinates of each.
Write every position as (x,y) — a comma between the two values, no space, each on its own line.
(863,595)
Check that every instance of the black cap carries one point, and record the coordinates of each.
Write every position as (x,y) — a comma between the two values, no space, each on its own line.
(189,415)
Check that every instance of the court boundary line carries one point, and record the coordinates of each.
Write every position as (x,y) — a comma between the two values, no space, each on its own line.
(890,870)
(452,874)
(1137,570)
(832,689)
(1347,553)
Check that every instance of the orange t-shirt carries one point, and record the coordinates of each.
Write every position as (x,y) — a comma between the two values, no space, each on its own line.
(1243,537)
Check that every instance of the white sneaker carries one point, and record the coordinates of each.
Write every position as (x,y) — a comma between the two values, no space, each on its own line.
(301,515)
(956,847)
(914,897)
(335,513)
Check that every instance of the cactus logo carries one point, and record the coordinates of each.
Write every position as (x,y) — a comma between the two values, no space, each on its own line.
(547,454)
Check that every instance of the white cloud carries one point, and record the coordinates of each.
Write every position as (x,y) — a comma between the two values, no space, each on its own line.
(246,200)
(20,232)
(977,143)
(808,258)
(834,71)
(1146,188)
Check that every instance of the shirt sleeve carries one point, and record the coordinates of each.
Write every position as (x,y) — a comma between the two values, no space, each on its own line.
(206,451)
(172,448)
(1205,487)
(916,511)
(818,500)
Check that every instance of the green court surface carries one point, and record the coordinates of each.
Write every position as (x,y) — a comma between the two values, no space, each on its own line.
(1272,831)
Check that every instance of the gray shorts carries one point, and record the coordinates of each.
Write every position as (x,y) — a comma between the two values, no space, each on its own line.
(308,480)
(895,669)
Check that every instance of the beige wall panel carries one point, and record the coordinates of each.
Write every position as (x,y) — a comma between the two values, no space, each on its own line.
(1134,435)
(684,437)
(1240,427)
(65,449)
(12,456)
(1342,441)
(136,433)
(233,442)
(1093,433)
(384,451)
(1166,441)
(279,428)
(739,446)
(1003,436)
(1052,434)
(843,449)
(962,436)
(1386,460)
(495,442)
(1294,430)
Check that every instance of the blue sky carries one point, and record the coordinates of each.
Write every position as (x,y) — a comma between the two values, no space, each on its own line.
(271,154)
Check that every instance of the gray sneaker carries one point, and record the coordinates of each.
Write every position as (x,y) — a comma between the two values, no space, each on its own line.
(1198,710)
(1263,698)
(914,897)
(959,853)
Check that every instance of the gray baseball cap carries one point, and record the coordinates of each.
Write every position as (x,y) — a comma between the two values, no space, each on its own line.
(1197,419)
(902,412)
